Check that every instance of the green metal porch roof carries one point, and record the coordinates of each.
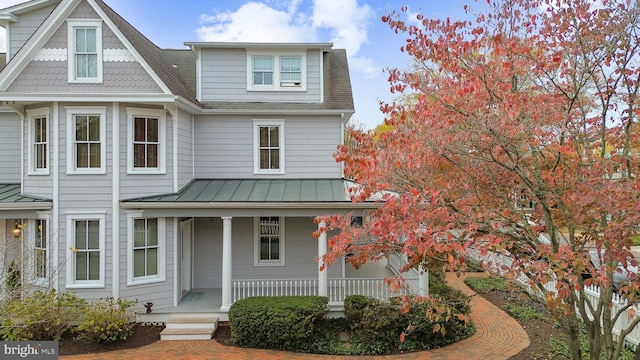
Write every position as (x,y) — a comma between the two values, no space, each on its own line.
(256,191)
(11,198)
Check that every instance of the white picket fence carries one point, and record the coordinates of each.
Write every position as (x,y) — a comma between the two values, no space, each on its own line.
(497,261)
(338,289)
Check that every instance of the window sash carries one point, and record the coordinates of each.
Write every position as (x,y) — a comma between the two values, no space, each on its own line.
(145,247)
(88,147)
(269,147)
(86,52)
(40,249)
(290,69)
(87,250)
(262,70)
(146,142)
(269,233)
(40,143)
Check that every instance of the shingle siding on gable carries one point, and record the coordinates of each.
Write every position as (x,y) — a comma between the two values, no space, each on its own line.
(224,78)
(23,29)
(10,148)
(51,77)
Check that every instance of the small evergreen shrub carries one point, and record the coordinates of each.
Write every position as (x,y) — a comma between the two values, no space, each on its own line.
(107,320)
(41,316)
(285,322)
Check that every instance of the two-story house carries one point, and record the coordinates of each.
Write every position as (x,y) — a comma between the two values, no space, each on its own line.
(127,170)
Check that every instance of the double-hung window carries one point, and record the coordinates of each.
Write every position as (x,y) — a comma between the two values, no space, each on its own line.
(290,71)
(269,241)
(84,50)
(269,146)
(86,236)
(146,249)
(263,70)
(270,71)
(38,151)
(86,140)
(146,141)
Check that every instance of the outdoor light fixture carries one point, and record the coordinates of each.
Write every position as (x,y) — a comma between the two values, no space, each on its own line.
(16,231)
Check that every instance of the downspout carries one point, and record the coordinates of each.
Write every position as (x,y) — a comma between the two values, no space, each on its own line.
(56,191)
(115,202)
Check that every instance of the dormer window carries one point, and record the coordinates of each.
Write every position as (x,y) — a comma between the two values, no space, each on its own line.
(85,51)
(276,72)
(263,70)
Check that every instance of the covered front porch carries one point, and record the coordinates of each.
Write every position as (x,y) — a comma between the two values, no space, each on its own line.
(240,238)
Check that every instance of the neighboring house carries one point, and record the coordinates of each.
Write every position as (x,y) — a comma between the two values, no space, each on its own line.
(145,173)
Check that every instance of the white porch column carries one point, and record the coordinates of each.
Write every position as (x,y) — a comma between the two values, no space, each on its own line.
(323,275)
(423,281)
(227,256)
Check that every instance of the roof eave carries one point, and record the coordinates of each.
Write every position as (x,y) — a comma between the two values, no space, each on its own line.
(248,205)
(26,206)
(253,45)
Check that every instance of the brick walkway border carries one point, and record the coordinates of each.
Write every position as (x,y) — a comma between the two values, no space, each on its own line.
(498,336)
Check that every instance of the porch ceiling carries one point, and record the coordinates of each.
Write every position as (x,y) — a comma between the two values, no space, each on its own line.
(12,199)
(254,194)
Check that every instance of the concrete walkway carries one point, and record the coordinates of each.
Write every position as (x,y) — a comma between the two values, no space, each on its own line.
(498,336)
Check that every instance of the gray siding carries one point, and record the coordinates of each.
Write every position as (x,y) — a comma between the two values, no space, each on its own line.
(159,293)
(21,31)
(224,147)
(135,185)
(301,249)
(185,149)
(224,78)
(10,125)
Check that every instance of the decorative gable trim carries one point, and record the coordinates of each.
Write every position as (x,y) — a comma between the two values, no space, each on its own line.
(56,19)
(108,55)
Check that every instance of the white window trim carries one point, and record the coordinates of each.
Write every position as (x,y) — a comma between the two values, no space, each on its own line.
(71,42)
(30,238)
(162,266)
(256,243)
(277,86)
(71,151)
(256,146)
(162,140)
(72,283)
(32,114)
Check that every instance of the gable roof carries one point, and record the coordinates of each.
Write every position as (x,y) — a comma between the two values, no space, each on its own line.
(176,68)
(170,66)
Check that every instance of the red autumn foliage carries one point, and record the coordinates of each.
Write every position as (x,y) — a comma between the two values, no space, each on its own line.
(531,102)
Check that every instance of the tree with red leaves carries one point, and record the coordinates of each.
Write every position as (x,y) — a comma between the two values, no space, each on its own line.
(517,134)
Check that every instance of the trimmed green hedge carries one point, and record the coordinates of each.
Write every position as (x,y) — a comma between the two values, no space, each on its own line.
(285,323)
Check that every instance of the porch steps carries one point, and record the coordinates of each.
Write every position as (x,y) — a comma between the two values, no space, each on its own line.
(189,327)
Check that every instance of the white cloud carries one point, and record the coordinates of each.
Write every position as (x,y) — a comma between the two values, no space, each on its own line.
(255,22)
(345,23)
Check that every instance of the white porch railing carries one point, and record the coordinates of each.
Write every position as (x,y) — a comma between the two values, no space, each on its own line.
(293,287)
(592,293)
(338,289)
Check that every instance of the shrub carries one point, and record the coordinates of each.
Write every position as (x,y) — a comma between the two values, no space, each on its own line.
(377,326)
(374,324)
(41,316)
(435,322)
(285,322)
(107,320)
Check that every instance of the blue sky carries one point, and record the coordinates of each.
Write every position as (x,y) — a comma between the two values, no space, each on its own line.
(351,24)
